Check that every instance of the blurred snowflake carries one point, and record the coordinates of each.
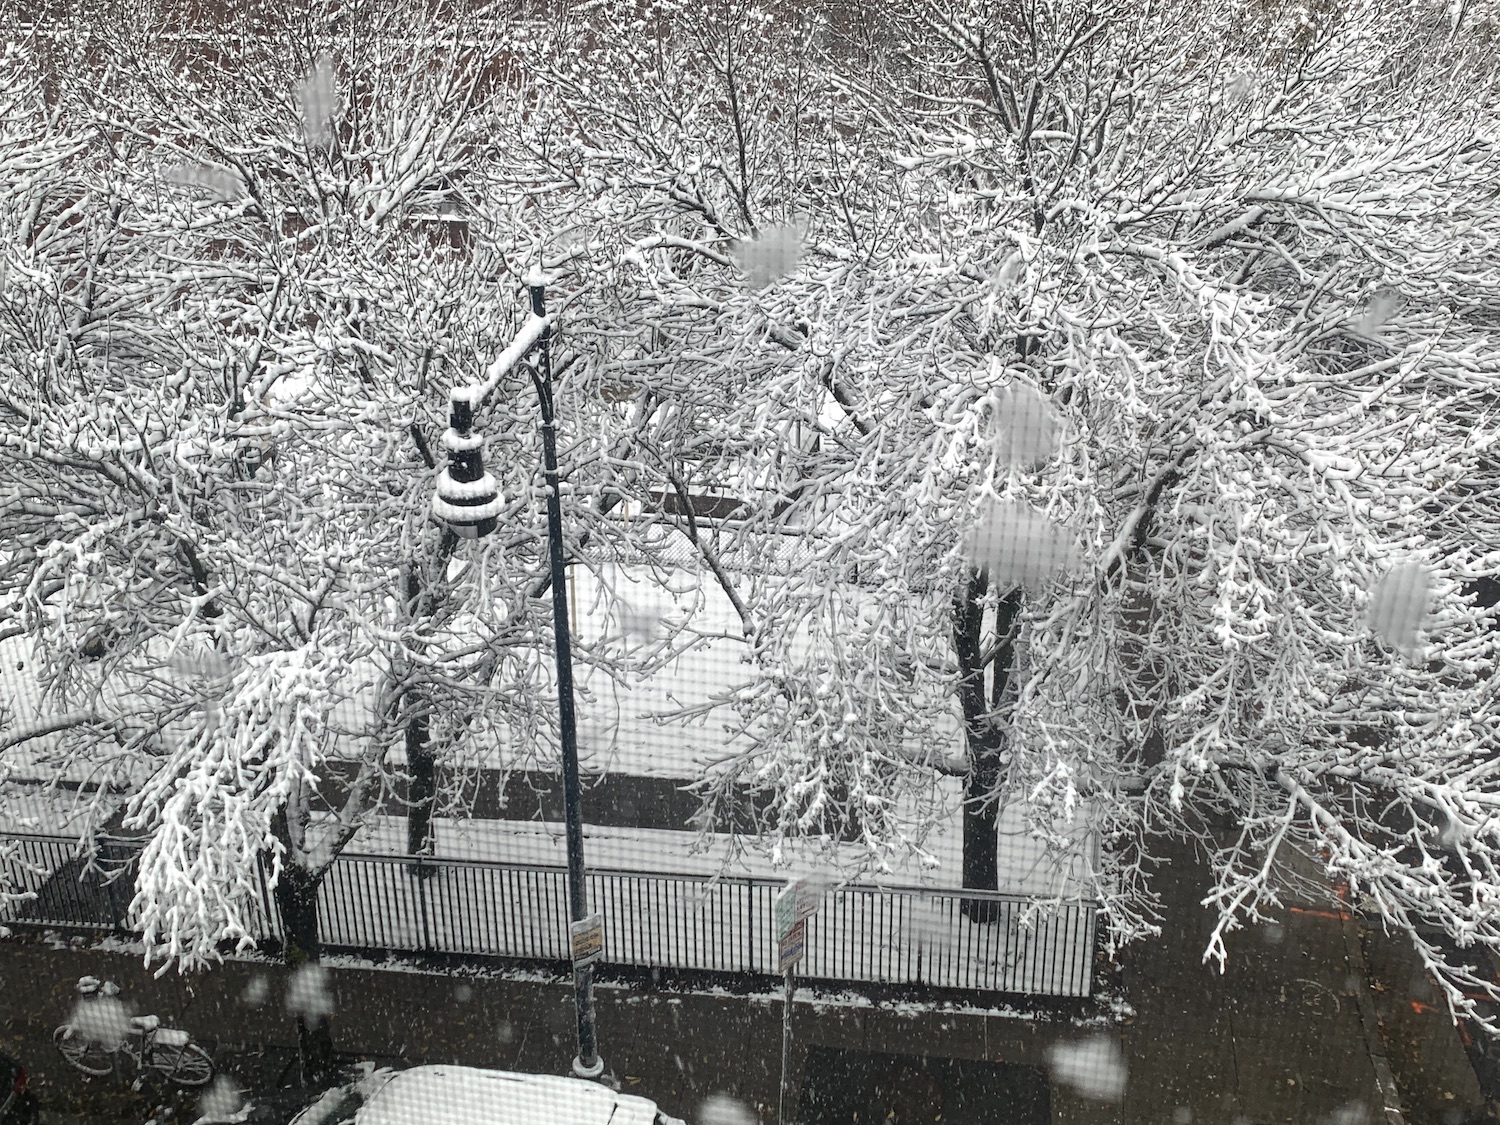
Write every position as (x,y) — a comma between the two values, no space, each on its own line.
(222,1104)
(769,256)
(1398,606)
(1025,426)
(308,993)
(721,1109)
(221,183)
(256,992)
(316,98)
(1350,1113)
(1383,304)
(1020,546)
(102,1020)
(1239,88)
(927,925)
(1094,1068)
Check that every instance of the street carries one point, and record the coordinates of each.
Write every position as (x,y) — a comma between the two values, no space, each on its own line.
(1290,1032)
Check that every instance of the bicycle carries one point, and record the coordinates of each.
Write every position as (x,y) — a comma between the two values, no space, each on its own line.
(148,1044)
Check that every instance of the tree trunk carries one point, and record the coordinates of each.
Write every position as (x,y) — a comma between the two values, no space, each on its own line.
(421,771)
(421,764)
(297,899)
(981,808)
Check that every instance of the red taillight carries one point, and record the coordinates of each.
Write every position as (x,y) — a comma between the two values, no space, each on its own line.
(21,1076)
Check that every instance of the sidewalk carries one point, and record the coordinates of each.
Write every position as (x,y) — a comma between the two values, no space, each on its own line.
(1284,1035)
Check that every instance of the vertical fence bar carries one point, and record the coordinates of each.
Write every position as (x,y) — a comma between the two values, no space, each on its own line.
(495,912)
(328,905)
(560,932)
(513,884)
(692,911)
(745,907)
(1053,957)
(347,892)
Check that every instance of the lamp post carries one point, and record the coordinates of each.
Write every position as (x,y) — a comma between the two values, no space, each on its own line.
(468,500)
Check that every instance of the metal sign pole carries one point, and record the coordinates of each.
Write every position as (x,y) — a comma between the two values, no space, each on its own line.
(786,1049)
(798,902)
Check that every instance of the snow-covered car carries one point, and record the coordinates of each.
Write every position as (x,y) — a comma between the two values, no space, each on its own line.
(465,1095)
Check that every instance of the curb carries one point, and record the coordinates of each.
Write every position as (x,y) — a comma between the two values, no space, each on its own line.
(1390,1096)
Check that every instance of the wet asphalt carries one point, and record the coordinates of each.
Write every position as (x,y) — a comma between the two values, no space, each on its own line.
(1315,1020)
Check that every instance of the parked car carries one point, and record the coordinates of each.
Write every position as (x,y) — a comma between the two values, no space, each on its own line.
(17,1104)
(465,1095)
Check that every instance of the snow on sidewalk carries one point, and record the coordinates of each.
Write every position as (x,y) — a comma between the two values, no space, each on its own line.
(1026,864)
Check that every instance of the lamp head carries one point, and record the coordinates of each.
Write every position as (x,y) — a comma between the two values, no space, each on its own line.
(467,498)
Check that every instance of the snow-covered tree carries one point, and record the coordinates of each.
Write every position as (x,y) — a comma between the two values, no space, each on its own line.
(1241,258)
(240,290)
(1102,393)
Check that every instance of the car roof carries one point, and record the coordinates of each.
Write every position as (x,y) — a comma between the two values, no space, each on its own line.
(464,1095)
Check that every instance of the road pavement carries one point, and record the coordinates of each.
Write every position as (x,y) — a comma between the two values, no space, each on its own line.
(1290,1032)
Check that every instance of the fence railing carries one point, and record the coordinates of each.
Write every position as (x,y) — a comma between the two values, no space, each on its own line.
(861,934)
(58,886)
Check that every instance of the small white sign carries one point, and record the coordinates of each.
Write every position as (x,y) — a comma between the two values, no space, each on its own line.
(790,949)
(798,901)
(588,939)
(786,913)
(810,894)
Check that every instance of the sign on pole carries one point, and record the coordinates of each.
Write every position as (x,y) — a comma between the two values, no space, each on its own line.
(588,939)
(810,893)
(794,906)
(791,946)
(798,901)
(786,913)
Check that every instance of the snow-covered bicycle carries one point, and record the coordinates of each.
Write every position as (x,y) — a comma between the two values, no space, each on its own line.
(98,1034)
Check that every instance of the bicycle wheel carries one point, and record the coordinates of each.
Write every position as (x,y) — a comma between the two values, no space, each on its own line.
(186,1066)
(88,1055)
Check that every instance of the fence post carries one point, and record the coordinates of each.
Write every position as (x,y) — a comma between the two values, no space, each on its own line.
(748,953)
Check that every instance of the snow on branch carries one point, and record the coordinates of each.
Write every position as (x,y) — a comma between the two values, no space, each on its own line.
(210,811)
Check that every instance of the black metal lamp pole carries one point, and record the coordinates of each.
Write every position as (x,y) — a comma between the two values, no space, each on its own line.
(588,1064)
(467,500)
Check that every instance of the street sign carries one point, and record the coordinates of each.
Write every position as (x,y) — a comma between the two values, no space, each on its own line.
(588,940)
(809,896)
(794,906)
(800,900)
(791,947)
(786,914)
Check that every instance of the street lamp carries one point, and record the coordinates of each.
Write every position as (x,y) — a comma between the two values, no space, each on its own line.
(468,500)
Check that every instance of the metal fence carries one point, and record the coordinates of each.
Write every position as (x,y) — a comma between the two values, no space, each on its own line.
(64,888)
(860,935)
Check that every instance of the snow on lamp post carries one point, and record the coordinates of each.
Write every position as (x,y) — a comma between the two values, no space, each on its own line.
(468,500)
